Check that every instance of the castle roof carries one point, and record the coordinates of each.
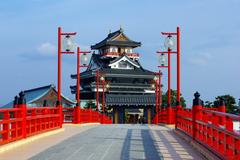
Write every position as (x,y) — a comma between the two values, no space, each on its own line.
(117,38)
(34,94)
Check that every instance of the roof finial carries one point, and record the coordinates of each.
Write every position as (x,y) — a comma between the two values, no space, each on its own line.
(110,31)
(121,29)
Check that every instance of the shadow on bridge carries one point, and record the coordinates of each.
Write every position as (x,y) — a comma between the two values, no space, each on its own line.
(108,142)
(140,145)
(172,147)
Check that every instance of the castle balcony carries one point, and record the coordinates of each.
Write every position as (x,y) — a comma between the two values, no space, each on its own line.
(117,54)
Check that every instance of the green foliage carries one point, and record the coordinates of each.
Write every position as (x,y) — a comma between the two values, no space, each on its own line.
(173,99)
(230,103)
(209,104)
(90,104)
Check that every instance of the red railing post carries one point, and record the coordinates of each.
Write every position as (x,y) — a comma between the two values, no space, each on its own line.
(80,116)
(91,116)
(222,108)
(196,114)
(178,107)
(170,115)
(15,105)
(6,125)
(23,106)
(76,114)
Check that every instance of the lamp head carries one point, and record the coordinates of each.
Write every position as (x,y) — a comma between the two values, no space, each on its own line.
(153,86)
(102,78)
(163,59)
(84,59)
(68,43)
(169,42)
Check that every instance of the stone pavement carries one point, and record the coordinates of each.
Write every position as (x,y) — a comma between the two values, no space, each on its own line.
(113,142)
(108,142)
(28,150)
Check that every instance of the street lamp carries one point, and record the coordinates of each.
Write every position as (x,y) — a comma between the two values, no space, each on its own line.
(157,97)
(107,86)
(68,45)
(163,60)
(80,59)
(160,89)
(169,42)
(97,88)
(153,86)
(103,92)
(169,45)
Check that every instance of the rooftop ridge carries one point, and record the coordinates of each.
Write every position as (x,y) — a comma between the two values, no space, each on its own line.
(38,88)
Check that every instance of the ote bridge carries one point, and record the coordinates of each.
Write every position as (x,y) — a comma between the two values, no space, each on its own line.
(43,133)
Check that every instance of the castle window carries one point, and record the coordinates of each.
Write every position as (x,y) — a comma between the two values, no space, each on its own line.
(114,49)
(122,64)
(128,50)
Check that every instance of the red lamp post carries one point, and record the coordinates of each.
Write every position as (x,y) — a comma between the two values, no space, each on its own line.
(68,49)
(160,89)
(103,93)
(157,96)
(104,84)
(84,60)
(169,44)
(97,89)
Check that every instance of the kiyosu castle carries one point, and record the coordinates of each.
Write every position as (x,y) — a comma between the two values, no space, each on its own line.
(130,94)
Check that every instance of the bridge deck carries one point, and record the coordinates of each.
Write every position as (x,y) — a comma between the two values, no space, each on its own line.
(107,142)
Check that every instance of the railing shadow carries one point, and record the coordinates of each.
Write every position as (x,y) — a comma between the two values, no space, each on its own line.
(139,144)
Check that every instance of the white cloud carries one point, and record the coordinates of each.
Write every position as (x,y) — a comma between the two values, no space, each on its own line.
(201,59)
(47,49)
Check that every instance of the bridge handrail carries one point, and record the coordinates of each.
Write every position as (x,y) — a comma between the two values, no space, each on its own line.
(222,114)
(21,122)
(77,115)
(212,128)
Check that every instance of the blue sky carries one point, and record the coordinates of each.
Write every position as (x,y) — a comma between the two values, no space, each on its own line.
(209,43)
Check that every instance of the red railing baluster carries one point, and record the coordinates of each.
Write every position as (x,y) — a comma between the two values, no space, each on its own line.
(213,128)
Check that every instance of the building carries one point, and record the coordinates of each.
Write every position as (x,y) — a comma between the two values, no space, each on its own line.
(129,93)
(43,96)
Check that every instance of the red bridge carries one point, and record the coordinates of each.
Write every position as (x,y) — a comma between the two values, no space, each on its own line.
(209,131)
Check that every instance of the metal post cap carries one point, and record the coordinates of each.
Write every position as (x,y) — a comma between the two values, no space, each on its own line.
(197,101)
(21,99)
(221,101)
(197,95)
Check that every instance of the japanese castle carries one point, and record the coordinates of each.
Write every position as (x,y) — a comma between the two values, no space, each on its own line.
(130,94)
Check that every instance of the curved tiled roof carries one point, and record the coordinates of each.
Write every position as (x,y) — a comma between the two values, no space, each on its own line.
(123,99)
(34,94)
(119,58)
(109,41)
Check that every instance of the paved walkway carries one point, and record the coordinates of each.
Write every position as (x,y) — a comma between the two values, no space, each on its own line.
(112,142)
(28,150)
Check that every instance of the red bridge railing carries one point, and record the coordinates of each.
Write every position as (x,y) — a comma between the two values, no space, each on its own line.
(166,116)
(210,128)
(68,115)
(21,122)
(77,115)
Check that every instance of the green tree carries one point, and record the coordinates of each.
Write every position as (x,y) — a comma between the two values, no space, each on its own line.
(230,103)
(209,104)
(173,99)
(90,104)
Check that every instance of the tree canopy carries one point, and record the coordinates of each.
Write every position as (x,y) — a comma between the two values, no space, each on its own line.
(89,104)
(229,101)
(173,99)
